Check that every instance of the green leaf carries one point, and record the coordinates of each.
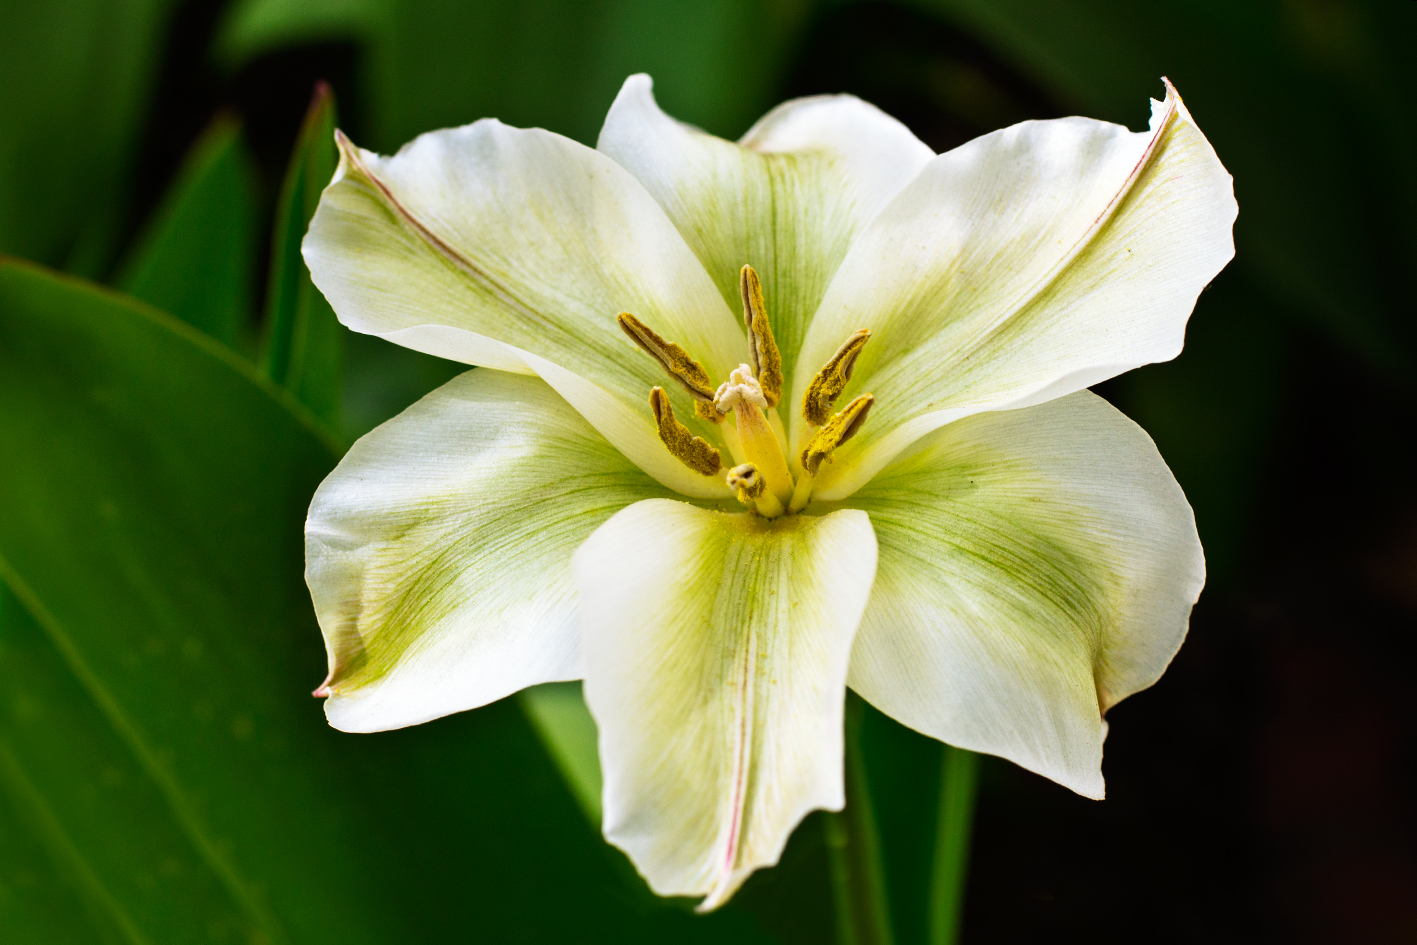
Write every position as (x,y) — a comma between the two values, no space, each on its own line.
(196,257)
(74,83)
(303,344)
(566,727)
(164,774)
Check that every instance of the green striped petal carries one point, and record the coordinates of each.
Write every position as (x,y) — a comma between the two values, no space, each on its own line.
(788,198)
(1037,566)
(716,650)
(1022,266)
(438,552)
(515,249)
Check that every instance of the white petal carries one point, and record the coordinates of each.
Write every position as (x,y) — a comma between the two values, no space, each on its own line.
(1029,263)
(716,650)
(629,430)
(487,244)
(438,552)
(788,198)
(1037,566)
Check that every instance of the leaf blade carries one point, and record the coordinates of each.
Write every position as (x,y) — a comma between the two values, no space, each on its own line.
(302,347)
(196,257)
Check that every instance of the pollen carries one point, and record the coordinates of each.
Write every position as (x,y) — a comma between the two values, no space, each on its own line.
(832,379)
(746,482)
(762,347)
(836,431)
(692,451)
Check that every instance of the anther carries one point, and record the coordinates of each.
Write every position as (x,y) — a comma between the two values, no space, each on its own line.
(832,379)
(751,489)
(692,451)
(766,359)
(835,432)
(676,362)
(746,482)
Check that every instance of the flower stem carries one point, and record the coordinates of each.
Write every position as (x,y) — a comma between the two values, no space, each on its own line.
(858,876)
(959,777)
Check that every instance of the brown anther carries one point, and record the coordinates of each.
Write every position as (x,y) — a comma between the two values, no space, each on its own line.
(766,359)
(746,482)
(835,432)
(832,379)
(675,360)
(692,451)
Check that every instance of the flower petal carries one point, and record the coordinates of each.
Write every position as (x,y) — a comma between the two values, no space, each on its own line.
(438,552)
(1037,567)
(716,650)
(488,244)
(1027,264)
(788,198)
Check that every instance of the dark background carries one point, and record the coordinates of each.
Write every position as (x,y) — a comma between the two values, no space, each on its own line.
(1264,789)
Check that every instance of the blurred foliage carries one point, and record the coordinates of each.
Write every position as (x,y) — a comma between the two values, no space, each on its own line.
(302,347)
(196,257)
(162,775)
(550,63)
(75,78)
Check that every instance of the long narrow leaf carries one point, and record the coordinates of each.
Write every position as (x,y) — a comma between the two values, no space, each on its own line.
(196,257)
(302,347)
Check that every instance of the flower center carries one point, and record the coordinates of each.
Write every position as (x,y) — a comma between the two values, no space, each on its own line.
(762,478)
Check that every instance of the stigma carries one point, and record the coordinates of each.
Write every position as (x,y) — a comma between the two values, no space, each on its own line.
(762,478)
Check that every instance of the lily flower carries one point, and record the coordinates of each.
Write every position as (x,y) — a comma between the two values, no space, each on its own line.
(758,421)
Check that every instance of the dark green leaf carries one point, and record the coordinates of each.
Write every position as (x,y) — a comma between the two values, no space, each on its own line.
(74,81)
(163,770)
(196,257)
(303,344)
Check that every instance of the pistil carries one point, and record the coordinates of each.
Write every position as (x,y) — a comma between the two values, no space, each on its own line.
(742,394)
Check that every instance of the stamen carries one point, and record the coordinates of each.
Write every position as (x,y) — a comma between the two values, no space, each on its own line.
(767,360)
(692,451)
(676,363)
(832,379)
(835,432)
(746,482)
(752,489)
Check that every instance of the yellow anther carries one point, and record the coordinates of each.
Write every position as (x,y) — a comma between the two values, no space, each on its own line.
(675,360)
(835,432)
(746,482)
(832,379)
(692,451)
(767,360)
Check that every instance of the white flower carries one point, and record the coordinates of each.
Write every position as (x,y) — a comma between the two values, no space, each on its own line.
(994,556)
